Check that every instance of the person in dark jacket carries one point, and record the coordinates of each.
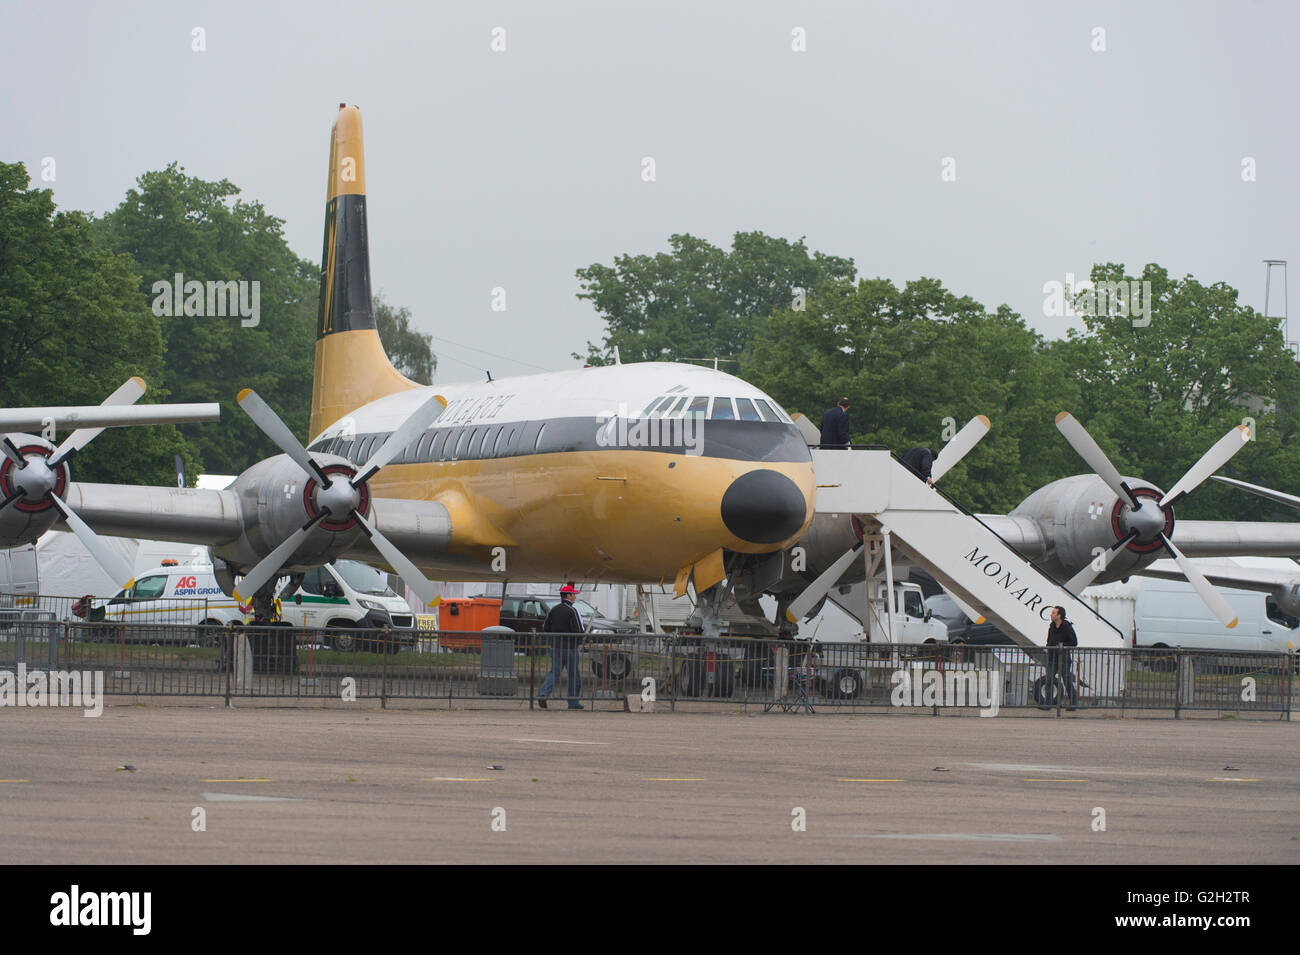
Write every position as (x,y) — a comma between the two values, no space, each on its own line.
(1060,635)
(921,462)
(564,622)
(835,425)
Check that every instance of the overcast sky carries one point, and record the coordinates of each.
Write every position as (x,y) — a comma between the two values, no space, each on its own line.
(514,168)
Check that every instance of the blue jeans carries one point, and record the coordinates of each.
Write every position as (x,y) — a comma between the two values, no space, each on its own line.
(564,655)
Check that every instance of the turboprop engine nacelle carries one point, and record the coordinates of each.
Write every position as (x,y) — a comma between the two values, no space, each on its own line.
(31,513)
(276,498)
(1082,518)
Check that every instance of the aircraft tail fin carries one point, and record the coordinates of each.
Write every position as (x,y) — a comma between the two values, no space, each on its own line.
(351,368)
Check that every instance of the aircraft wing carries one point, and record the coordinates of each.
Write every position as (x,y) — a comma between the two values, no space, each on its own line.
(183,515)
(228,520)
(1233,539)
(1265,580)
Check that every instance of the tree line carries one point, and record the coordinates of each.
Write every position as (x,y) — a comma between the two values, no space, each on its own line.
(78,317)
(1155,391)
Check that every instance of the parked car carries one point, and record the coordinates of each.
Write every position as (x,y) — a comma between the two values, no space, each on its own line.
(526,613)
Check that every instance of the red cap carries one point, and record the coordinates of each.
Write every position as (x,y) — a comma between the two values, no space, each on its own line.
(566,589)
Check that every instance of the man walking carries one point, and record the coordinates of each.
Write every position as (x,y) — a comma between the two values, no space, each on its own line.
(564,622)
(835,425)
(1060,635)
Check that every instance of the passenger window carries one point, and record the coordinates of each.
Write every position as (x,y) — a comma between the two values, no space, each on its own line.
(460,443)
(722,410)
(499,442)
(537,444)
(475,436)
(747,410)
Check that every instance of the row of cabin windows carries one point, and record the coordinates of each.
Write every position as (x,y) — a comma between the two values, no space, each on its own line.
(446,444)
(715,409)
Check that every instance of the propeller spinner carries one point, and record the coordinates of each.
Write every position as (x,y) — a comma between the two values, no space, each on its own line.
(1146,521)
(337,497)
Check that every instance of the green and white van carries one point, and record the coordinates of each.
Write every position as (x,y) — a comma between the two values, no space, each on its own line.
(348,595)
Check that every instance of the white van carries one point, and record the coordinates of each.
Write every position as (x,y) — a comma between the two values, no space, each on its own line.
(348,594)
(1170,614)
(174,594)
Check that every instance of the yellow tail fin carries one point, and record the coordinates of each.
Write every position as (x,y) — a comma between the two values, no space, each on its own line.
(351,367)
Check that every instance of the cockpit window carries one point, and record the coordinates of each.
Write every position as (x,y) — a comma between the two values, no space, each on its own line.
(1276,614)
(747,410)
(677,407)
(699,406)
(766,410)
(722,410)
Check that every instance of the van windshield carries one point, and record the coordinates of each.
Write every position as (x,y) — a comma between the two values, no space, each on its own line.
(363,579)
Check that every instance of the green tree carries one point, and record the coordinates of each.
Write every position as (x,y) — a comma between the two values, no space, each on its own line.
(916,364)
(1156,397)
(175,223)
(699,301)
(73,326)
(410,351)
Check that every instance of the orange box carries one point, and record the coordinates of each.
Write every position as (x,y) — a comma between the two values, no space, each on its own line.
(466,613)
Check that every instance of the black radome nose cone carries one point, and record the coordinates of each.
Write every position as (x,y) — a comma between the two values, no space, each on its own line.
(763,507)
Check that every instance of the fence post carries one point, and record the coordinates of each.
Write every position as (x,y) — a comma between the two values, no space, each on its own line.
(227,656)
(383,669)
(531,643)
(1178,683)
(672,672)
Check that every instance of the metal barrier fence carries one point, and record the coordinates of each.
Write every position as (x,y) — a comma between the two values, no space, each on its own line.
(160,610)
(289,663)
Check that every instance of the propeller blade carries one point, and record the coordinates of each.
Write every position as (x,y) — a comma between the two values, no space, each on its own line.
(1088,449)
(1211,461)
(279,432)
(956,449)
(128,393)
(819,588)
(398,561)
(268,568)
(113,565)
(11,452)
(406,432)
(1267,492)
(1089,573)
(1213,599)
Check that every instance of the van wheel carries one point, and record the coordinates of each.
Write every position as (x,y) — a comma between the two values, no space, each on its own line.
(688,679)
(1165,661)
(846,685)
(342,641)
(210,636)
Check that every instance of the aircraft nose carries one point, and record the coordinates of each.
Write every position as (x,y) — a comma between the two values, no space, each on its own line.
(763,507)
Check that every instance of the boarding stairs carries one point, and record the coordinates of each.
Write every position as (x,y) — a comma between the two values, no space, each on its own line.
(958,549)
